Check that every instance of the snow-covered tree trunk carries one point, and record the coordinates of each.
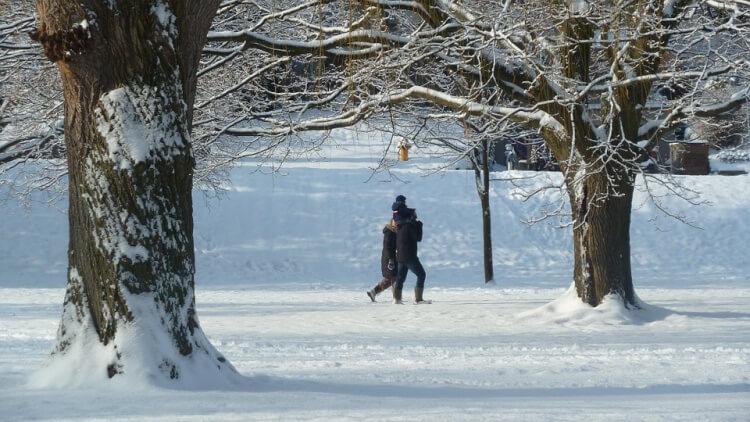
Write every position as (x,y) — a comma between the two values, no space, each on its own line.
(129,74)
(601,239)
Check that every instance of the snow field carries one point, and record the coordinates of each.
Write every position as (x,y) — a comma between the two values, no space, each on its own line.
(283,263)
(482,352)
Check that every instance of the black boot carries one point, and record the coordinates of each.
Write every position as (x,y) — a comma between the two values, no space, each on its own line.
(396,295)
(418,296)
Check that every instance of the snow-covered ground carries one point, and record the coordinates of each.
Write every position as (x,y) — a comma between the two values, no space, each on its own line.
(283,262)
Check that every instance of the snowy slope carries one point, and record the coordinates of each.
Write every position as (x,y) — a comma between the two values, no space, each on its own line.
(319,223)
(282,265)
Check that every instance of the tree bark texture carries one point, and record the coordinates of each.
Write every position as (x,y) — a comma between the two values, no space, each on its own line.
(601,239)
(129,76)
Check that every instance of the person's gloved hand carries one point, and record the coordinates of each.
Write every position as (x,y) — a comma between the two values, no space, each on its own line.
(391,264)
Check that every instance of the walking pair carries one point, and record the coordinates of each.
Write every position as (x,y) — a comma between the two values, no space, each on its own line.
(399,254)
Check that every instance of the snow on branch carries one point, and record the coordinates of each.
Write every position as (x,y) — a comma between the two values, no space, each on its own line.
(320,29)
(423,8)
(663,76)
(734,5)
(653,129)
(287,12)
(329,45)
(533,118)
(244,81)
(737,99)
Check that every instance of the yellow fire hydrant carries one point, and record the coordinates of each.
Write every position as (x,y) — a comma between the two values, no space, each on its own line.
(403,150)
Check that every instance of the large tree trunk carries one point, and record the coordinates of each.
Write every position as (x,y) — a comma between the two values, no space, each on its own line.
(129,76)
(601,239)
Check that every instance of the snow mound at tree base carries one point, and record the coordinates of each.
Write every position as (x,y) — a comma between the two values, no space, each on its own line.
(142,354)
(569,310)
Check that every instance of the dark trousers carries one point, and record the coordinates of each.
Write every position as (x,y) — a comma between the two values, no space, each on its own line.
(416,267)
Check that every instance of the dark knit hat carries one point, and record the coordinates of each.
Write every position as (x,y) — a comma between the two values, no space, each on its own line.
(401,213)
(401,198)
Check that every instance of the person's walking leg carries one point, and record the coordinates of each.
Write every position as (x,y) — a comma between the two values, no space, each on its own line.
(384,284)
(417,268)
(397,288)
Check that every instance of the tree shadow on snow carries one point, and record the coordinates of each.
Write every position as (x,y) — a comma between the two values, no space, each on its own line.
(717,315)
(267,384)
(653,313)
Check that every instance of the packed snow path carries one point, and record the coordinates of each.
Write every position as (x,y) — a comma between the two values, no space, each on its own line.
(475,353)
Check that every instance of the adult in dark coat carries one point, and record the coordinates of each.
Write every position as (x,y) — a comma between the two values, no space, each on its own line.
(408,234)
(387,261)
